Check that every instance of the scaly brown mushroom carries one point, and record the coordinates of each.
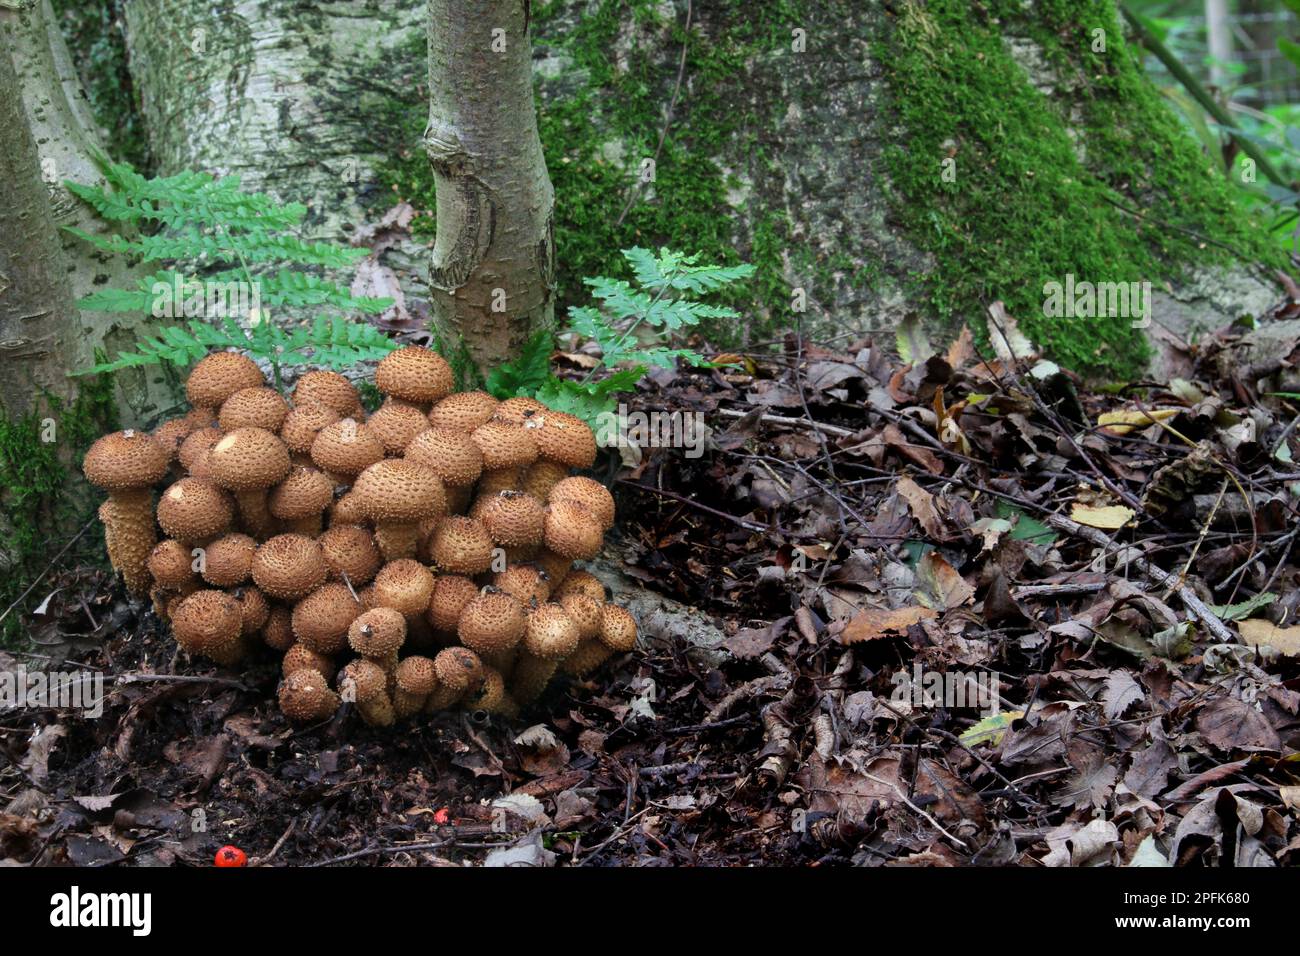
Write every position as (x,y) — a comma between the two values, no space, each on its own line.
(451,455)
(351,553)
(396,495)
(210,623)
(330,389)
(365,683)
(289,567)
(228,561)
(590,494)
(218,376)
(461,546)
(127,465)
(253,408)
(306,698)
(415,374)
(321,619)
(463,411)
(414,680)
(572,531)
(300,500)
(248,461)
(195,510)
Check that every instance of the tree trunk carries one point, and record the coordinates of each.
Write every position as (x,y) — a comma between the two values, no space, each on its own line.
(55,112)
(37,309)
(874,162)
(493,266)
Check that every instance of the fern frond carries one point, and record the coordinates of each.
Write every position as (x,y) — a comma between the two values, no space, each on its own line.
(250,247)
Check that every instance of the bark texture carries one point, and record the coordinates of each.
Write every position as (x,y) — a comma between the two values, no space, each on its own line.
(492,274)
(54,111)
(37,310)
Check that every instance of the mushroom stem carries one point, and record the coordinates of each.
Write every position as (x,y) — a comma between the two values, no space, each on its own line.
(130,536)
(397,539)
(530,676)
(254,513)
(501,661)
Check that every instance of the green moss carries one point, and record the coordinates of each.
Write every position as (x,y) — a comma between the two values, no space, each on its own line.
(1025,208)
(44,499)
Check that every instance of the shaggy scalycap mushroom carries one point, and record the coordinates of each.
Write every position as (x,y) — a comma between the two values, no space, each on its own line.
(526,583)
(415,374)
(301,657)
(564,439)
(301,499)
(210,623)
(330,389)
(514,519)
(195,510)
(406,586)
(585,613)
(289,567)
(378,633)
(248,461)
(277,632)
(171,566)
(303,424)
(572,531)
(195,451)
(463,411)
(581,582)
(253,408)
(515,411)
(170,434)
(228,561)
(127,464)
(346,448)
(396,495)
(351,553)
(218,376)
(395,425)
(617,628)
(451,592)
(504,445)
(461,546)
(541,476)
(451,455)
(590,494)
(366,683)
(492,623)
(321,619)
(414,680)
(306,698)
(253,608)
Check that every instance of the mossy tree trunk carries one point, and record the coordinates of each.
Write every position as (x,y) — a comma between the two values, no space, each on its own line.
(874,161)
(493,265)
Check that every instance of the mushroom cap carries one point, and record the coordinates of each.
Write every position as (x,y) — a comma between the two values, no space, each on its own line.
(126,459)
(330,389)
(526,583)
(253,608)
(368,679)
(564,439)
(541,476)
(259,407)
(396,490)
(396,424)
(207,622)
(196,448)
(200,417)
(277,632)
(346,447)
(346,510)
(301,657)
(289,566)
(451,455)
(514,518)
(461,546)
(416,675)
(415,374)
(228,561)
(171,565)
(303,493)
(171,433)
(463,411)
(405,585)
(572,531)
(617,628)
(350,550)
(451,592)
(491,623)
(378,633)
(557,568)
(585,613)
(249,458)
(305,697)
(458,668)
(591,494)
(194,509)
(517,410)
(581,582)
(504,445)
(550,632)
(303,424)
(219,375)
(321,619)
(490,693)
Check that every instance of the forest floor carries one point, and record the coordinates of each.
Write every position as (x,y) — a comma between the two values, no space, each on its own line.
(1118,570)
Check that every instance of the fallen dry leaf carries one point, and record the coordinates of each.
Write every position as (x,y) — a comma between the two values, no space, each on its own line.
(1285,640)
(871,623)
(1107,517)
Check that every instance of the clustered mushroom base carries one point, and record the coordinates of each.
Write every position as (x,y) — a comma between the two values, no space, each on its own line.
(415,560)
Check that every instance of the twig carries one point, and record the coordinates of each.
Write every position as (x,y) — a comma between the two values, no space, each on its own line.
(784,420)
(1159,576)
(915,809)
(53,561)
(132,678)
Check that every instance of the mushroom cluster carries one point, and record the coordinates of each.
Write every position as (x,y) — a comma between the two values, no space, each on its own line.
(408,561)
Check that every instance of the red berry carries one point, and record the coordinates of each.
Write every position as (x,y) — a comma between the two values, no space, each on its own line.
(231,856)
(441,816)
